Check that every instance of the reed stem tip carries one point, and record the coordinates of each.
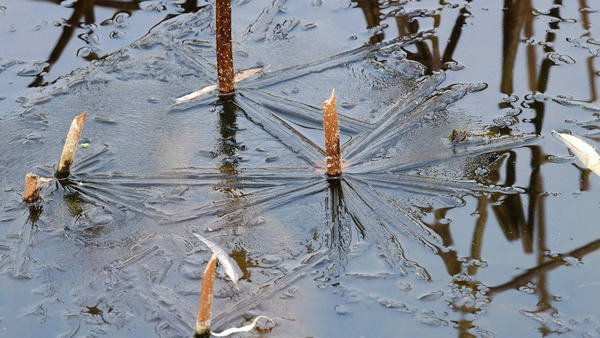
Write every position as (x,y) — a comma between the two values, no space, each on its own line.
(332,137)
(68,153)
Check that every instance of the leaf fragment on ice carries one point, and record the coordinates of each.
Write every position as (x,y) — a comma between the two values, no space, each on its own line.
(231,268)
(240,329)
(244,74)
(197,94)
(584,152)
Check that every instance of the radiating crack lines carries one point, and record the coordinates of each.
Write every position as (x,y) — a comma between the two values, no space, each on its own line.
(259,175)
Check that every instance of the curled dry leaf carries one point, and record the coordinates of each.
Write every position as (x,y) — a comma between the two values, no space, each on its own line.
(240,329)
(231,268)
(584,152)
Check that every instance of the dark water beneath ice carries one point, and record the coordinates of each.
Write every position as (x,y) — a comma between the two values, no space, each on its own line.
(495,235)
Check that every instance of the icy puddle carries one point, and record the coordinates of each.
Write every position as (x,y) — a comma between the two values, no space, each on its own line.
(111,250)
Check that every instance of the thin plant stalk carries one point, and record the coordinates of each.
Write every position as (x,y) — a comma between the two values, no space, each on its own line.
(68,154)
(225,68)
(206,299)
(332,137)
(32,188)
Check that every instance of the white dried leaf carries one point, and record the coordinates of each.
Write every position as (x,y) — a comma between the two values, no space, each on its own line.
(244,74)
(584,152)
(240,329)
(195,95)
(231,268)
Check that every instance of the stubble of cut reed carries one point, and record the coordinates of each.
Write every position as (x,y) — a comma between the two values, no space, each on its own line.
(32,188)
(206,299)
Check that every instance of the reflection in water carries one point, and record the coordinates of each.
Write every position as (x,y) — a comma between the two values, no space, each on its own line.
(340,235)
(508,209)
(35,212)
(518,219)
(246,263)
(228,146)
(456,32)
(83,16)
(232,186)
(373,16)
(408,26)
(74,203)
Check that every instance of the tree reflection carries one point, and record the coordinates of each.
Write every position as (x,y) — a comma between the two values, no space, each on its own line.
(373,16)
(83,16)
(519,219)
(407,26)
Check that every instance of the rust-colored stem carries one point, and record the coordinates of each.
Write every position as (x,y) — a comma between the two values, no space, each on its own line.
(32,188)
(332,137)
(206,299)
(225,68)
(68,153)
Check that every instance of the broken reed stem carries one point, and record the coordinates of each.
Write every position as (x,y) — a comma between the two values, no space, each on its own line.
(332,137)
(206,299)
(225,68)
(32,188)
(68,153)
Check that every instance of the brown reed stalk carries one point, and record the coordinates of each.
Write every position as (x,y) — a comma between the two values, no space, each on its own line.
(225,68)
(206,299)
(332,137)
(68,154)
(32,188)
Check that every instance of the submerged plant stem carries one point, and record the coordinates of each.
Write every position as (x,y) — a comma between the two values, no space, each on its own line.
(225,68)
(206,299)
(332,137)
(68,153)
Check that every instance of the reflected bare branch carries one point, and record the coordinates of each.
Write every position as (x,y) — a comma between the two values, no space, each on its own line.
(545,267)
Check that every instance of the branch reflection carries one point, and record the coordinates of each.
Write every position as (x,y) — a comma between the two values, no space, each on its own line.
(83,16)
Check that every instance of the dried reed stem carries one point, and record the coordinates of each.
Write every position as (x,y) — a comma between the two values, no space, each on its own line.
(206,299)
(224,49)
(68,153)
(32,188)
(332,137)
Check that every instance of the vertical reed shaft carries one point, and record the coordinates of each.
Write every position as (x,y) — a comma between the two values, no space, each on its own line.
(332,137)
(225,68)
(68,154)
(206,299)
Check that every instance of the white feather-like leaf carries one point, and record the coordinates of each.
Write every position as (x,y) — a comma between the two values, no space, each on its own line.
(209,90)
(196,95)
(584,152)
(231,268)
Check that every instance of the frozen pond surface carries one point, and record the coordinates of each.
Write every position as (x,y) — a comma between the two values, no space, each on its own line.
(491,235)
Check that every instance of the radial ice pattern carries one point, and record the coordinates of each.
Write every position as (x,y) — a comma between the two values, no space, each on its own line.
(115,238)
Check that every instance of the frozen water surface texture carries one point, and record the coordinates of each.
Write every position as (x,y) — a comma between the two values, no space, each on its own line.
(455,215)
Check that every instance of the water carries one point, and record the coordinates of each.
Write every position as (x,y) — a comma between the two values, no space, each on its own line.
(488,235)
